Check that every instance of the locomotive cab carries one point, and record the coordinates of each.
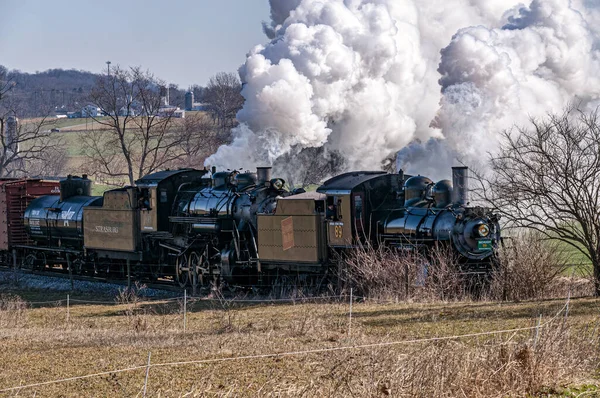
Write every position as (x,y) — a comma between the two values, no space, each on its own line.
(348,204)
(157,194)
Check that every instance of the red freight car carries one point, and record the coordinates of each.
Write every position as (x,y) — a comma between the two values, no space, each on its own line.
(15,196)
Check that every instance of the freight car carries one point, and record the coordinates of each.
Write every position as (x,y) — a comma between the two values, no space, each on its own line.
(199,227)
(15,195)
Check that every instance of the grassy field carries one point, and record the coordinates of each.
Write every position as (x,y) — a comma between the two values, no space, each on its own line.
(39,344)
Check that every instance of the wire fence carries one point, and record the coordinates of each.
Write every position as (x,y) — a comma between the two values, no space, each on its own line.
(564,310)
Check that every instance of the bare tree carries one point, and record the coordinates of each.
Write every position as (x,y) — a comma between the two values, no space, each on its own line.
(136,135)
(546,177)
(22,143)
(224,98)
(199,138)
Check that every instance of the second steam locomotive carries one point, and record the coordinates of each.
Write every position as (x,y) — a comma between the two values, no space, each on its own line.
(202,226)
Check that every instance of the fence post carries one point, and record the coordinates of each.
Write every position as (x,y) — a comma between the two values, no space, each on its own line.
(68,315)
(406,283)
(350,315)
(567,308)
(14,261)
(128,273)
(147,373)
(184,309)
(537,332)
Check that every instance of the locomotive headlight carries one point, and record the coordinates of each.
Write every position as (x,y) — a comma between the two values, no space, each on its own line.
(483,230)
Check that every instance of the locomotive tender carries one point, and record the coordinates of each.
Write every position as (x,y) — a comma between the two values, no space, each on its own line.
(201,226)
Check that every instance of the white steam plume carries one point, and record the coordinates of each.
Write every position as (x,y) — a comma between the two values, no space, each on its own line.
(371,77)
(540,60)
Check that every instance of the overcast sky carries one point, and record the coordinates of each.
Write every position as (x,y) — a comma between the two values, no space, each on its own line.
(181,41)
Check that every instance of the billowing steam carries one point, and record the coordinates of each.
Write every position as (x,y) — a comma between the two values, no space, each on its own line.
(436,80)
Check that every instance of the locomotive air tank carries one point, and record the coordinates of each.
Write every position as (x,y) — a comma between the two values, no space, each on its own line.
(57,221)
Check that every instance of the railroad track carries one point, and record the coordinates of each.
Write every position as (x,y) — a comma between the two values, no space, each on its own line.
(164,284)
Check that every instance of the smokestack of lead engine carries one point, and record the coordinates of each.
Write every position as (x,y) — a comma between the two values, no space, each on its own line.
(263,174)
(460,183)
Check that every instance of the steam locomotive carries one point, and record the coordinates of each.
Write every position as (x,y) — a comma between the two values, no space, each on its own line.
(199,227)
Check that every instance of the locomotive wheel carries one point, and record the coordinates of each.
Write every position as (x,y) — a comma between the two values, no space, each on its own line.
(156,268)
(29,262)
(43,262)
(77,265)
(155,271)
(195,262)
(182,273)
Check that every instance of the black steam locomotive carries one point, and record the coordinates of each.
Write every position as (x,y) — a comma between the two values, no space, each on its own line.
(200,227)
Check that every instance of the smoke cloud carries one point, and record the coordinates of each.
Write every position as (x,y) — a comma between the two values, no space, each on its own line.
(433,81)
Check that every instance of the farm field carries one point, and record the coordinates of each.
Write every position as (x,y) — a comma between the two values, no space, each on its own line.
(235,340)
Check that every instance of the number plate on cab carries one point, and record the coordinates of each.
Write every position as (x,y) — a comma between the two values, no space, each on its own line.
(484,244)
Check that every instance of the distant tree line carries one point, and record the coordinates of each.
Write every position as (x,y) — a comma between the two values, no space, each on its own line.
(69,90)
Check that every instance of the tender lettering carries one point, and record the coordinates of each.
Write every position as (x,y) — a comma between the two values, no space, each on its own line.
(104,229)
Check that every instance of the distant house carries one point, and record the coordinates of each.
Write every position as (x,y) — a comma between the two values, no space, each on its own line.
(73,115)
(90,111)
(124,111)
(170,110)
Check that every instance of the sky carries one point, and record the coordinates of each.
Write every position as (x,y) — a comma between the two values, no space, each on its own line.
(181,41)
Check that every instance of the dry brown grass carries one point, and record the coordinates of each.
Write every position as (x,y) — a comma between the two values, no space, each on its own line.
(43,346)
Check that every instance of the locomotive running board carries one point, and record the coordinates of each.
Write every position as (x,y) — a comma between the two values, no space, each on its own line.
(47,249)
(174,249)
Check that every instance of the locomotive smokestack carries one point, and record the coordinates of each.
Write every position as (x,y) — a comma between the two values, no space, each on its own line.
(263,175)
(460,182)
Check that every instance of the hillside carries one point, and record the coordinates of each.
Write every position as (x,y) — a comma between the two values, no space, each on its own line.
(62,90)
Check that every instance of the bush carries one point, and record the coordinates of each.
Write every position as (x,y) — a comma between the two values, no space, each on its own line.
(12,310)
(530,268)
(388,273)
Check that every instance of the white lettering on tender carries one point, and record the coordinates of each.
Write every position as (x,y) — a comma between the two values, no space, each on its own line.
(66,215)
(106,229)
(55,190)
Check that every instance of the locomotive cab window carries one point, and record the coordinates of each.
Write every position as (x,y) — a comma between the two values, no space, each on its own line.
(358,207)
(144,199)
(319,206)
(358,212)
(163,196)
(331,210)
